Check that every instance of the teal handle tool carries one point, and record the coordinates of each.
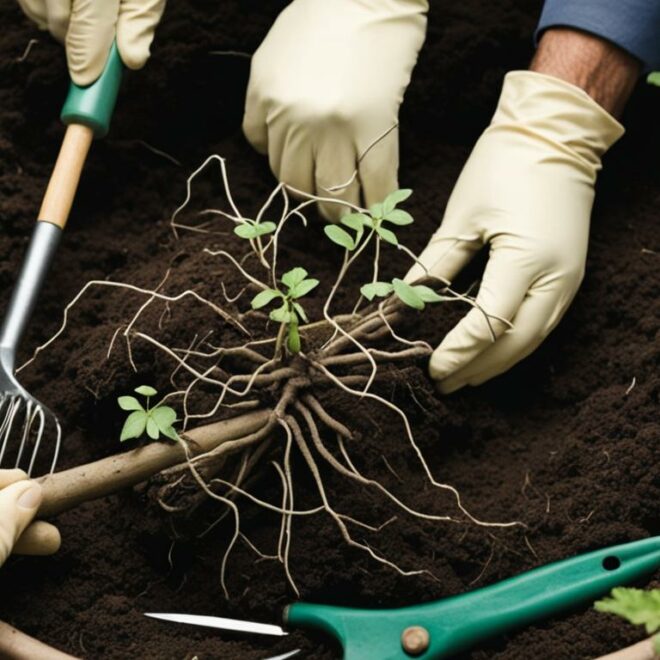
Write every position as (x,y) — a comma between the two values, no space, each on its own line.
(94,104)
(87,112)
(445,627)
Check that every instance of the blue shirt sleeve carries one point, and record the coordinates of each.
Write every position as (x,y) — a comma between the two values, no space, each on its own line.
(633,25)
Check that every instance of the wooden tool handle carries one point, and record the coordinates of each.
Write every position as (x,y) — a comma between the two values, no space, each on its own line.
(63,183)
(65,490)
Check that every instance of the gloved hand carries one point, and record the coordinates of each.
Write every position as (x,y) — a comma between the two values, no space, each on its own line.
(19,501)
(88,27)
(526,190)
(325,84)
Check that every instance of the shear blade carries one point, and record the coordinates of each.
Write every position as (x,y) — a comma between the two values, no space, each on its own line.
(284,656)
(235,625)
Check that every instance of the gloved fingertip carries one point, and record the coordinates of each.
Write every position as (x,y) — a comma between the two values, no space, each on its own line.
(449,386)
(31,497)
(11,475)
(133,55)
(332,212)
(39,539)
(441,365)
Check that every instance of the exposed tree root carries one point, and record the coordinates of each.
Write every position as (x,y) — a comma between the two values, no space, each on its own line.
(284,389)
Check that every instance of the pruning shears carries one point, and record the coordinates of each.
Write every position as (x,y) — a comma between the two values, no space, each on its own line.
(444,627)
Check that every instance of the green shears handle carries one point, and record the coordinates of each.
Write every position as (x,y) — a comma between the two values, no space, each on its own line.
(93,105)
(456,623)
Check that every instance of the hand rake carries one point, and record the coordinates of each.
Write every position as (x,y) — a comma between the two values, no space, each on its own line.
(23,419)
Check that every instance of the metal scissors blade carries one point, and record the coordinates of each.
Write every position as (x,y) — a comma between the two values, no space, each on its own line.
(235,625)
(284,656)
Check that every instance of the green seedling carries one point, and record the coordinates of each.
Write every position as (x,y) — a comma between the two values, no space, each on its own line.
(415,296)
(375,219)
(251,229)
(653,78)
(155,420)
(640,607)
(290,311)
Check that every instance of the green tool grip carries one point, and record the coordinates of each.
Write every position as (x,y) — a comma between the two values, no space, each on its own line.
(93,105)
(456,623)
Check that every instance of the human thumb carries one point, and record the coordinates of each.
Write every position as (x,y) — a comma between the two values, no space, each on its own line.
(19,503)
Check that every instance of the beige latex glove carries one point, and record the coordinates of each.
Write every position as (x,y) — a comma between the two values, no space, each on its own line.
(19,501)
(527,191)
(88,28)
(325,84)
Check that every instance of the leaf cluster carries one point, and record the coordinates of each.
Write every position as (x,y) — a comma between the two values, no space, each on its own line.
(155,420)
(290,311)
(640,607)
(413,295)
(379,214)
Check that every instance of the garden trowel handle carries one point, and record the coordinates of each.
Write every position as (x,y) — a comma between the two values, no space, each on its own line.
(87,112)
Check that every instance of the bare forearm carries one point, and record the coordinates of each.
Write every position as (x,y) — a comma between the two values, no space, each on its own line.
(606,72)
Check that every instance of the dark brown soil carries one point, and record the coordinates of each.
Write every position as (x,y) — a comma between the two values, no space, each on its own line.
(563,442)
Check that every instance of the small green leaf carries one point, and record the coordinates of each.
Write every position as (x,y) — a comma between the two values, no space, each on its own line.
(428,295)
(164,416)
(407,294)
(387,235)
(380,289)
(281,314)
(246,230)
(294,277)
(638,606)
(293,338)
(399,217)
(129,403)
(264,297)
(303,288)
(653,78)
(656,638)
(134,425)
(300,311)
(170,433)
(395,198)
(376,210)
(152,428)
(146,390)
(264,228)
(339,236)
(355,221)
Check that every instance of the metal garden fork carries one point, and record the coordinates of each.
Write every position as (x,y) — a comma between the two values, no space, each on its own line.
(87,112)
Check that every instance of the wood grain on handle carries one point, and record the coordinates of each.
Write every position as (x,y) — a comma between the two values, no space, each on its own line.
(63,183)
(65,490)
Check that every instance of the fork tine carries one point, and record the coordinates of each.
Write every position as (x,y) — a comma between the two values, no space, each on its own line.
(25,429)
(58,441)
(4,408)
(8,422)
(35,418)
(38,414)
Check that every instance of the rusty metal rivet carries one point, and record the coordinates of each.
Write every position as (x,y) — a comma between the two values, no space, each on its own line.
(415,640)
